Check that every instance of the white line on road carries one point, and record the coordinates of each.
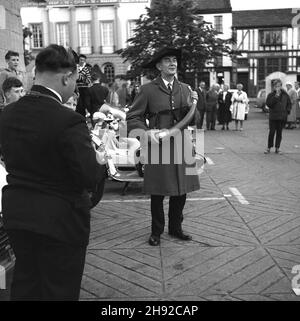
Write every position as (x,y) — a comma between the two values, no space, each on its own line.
(239,196)
(209,161)
(148,200)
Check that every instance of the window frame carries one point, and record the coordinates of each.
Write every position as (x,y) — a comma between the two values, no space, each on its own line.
(219,25)
(263,35)
(89,34)
(40,35)
(66,36)
(130,32)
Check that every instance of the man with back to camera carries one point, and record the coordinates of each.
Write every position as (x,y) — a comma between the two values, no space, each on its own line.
(163,102)
(51,166)
(201,104)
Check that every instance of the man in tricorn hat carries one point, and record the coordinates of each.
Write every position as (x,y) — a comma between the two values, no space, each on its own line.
(164,102)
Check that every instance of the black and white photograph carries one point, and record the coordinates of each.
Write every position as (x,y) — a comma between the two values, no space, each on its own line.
(149,153)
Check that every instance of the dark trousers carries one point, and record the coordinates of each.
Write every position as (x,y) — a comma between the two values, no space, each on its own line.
(211,119)
(45,269)
(176,205)
(275,126)
(83,101)
(200,119)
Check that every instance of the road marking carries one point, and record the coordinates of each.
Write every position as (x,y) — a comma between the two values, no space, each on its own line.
(209,161)
(148,200)
(239,196)
(220,148)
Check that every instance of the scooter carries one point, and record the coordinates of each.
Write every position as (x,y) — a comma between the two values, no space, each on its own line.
(120,153)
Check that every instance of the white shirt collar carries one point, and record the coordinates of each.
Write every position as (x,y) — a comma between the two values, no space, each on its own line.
(56,93)
(168,82)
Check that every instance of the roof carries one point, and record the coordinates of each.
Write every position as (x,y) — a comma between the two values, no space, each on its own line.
(262,18)
(212,6)
(205,6)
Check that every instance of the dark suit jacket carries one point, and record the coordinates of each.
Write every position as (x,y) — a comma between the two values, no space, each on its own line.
(201,103)
(211,100)
(51,164)
(225,103)
(97,95)
(280,106)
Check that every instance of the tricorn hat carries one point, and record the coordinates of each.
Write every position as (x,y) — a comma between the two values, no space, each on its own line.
(158,55)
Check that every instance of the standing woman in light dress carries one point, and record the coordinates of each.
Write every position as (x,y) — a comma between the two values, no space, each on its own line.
(239,106)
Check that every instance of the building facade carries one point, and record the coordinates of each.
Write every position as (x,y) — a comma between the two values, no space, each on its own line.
(267,41)
(11,34)
(96,28)
(219,14)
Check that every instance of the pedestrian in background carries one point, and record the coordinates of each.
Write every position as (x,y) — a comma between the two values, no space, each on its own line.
(135,91)
(297,88)
(51,167)
(113,97)
(279,104)
(201,104)
(12,59)
(239,105)
(224,101)
(97,94)
(83,82)
(292,117)
(123,94)
(212,107)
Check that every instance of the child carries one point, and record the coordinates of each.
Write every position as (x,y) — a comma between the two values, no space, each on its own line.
(72,102)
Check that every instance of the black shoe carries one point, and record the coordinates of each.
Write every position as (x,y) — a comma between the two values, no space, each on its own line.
(154,240)
(181,236)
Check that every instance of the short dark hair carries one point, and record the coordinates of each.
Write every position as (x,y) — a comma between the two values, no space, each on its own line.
(11,82)
(11,53)
(82,56)
(55,58)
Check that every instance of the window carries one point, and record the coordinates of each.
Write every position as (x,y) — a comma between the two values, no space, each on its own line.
(62,34)
(218,61)
(131,27)
(270,38)
(107,36)
(218,23)
(268,65)
(85,34)
(261,69)
(109,72)
(37,35)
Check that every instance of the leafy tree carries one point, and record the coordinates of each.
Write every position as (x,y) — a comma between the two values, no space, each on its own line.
(174,24)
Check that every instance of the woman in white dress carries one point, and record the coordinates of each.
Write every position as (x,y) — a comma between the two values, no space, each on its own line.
(239,106)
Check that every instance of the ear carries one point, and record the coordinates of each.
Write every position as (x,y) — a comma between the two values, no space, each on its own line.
(158,66)
(65,78)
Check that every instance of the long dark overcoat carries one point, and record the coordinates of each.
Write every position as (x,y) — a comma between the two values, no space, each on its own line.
(175,178)
(224,107)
